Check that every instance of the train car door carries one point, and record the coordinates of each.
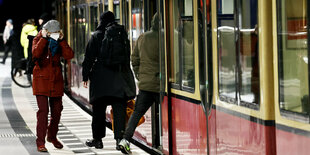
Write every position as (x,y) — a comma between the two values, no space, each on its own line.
(189,77)
(141,13)
(205,60)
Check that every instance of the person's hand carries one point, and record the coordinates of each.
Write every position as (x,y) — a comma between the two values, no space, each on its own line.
(85,84)
(44,33)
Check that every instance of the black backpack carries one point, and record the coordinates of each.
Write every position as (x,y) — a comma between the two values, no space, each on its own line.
(115,48)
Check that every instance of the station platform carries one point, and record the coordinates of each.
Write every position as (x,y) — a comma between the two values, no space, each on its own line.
(18,124)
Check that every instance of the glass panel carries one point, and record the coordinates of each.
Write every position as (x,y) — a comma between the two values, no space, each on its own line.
(162,57)
(116,10)
(183,42)
(100,8)
(174,45)
(82,33)
(137,19)
(187,43)
(72,29)
(209,55)
(106,5)
(227,6)
(293,56)
(226,49)
(93,17)
(249,90)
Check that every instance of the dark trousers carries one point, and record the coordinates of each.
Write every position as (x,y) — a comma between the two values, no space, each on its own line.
(145,100)
(55,104)
(6,52)
(99,117)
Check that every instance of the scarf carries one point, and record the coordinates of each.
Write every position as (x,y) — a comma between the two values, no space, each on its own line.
(53,45)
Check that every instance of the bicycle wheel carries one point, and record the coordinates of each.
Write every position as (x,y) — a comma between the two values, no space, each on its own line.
(19,75)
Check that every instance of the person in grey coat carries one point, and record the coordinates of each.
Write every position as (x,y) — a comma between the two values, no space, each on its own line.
(107,87)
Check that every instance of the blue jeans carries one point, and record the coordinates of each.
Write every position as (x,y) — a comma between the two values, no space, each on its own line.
(145,100)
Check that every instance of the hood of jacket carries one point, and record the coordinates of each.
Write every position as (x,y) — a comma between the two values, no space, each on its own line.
(155,22)
(105,19)
(29,28)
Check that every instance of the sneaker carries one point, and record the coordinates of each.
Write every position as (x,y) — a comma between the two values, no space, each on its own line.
(124,146)
(93,142)
(55,142)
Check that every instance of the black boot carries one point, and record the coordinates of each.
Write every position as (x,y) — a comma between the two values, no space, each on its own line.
(117,142)
(93,142)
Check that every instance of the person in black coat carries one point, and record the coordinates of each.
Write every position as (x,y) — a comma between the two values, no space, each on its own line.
(44,18)
(106,87)
(16,48)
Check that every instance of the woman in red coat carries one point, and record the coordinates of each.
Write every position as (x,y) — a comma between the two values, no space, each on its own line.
(48,86)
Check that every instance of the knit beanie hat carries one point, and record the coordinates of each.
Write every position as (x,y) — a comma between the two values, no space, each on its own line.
(45,16)
(52,26)
(10,21)
(106,18)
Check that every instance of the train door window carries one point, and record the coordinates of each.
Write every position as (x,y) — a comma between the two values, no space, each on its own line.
(183,45)
(238,52)
(248,52)
(82,32)
(125,12)
(116,10)
(137,19)
(100,7)
(93,17)
(227,50)
(106,5)
(73,29)
(205,52)
(293,54)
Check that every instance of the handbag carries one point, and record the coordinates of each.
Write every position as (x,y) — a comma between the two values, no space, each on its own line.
(129,110)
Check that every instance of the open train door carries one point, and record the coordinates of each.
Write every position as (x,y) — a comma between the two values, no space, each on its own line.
(141,13)
(205,59)
(188,93)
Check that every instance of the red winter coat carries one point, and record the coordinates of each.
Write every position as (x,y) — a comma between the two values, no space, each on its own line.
(47,75)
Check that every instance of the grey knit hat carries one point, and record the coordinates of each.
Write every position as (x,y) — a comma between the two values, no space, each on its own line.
(52,26)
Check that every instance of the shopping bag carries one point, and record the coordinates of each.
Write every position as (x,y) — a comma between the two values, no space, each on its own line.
(129,110)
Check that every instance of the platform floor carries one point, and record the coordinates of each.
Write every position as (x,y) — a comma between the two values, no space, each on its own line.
(18,124)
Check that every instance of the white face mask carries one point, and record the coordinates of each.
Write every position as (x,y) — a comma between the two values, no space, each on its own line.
(55,36)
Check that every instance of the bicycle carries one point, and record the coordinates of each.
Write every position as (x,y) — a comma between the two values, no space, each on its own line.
(19,74)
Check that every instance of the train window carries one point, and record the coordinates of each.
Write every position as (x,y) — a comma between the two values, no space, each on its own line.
(238,52)
(106,5)
(137,13)
(227,49)
(183,45)
(293,54)
(82,29)
(248,52)
(93,17)
(73,23)
(100,8)
(116,9)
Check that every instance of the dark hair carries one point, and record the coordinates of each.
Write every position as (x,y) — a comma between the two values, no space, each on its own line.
(31,21)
